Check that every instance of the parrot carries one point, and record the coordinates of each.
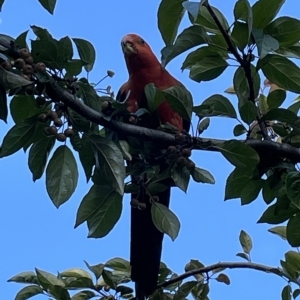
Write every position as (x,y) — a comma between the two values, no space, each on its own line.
(146,240)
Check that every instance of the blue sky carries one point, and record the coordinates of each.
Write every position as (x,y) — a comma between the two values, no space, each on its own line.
(36,234)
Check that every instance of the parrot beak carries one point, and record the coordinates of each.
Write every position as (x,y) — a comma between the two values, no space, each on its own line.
(128,48)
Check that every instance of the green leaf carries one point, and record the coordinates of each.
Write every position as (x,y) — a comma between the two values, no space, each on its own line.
(184,290)
(38,155)
(156,187)
(47,51)
(3,105)
(96,269)
(242,11)
(268,191)
(187,39)
(240,34)
(23,107)
(294,107)
(280,114)
(65,49)
(293,187)
(169,16)
(181,177)
(285,30)
(59,292)
(205,19)
(208,69)
(239,129)
(155,97)
(109,161)
(251,191)
(78,122)
(108,279)
(205,51)
(88,94)
(10,80)
(236,182)
(84,295)
(101,207)
(118,264)
(245,241)
(77,273)
(203,176)
(47,279)
(192,265)
(24,277)
(17,137)
(86,52)
(203,125)
(248,112)
(124,290)
(240,184)
(78,283)
(293,259)
(279,230)
(281,71)
(28,292)
(6,38)
(239,154)
(219,41)
(291,51)
(219,106)
(264,11)
(265,43)
(293,231)
(49,5)
(244,256)
(87,158)
(73,67)
(274,216)
(41,33)
(286,293)
(165,220)
(296,293)
(180,100)
(61,175)
(20,41)
(276,98)
(289,269)
(223,278)
(281,130)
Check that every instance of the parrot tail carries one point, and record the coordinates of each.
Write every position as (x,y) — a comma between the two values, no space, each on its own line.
(146,245)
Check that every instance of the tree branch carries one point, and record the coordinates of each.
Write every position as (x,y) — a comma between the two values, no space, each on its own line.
(165,139)
(231,265)
(245,64)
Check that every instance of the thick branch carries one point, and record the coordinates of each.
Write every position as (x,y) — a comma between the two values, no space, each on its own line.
(57,92)
(231,265)
(266,146)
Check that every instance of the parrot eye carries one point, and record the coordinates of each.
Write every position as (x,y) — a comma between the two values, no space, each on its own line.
(142,41)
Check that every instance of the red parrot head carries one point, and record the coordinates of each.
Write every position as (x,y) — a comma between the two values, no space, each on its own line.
(137,53)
